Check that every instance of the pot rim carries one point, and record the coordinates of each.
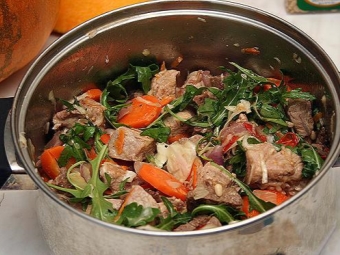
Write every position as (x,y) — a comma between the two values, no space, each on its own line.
(17,126)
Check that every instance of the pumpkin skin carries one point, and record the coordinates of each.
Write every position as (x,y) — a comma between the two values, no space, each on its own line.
(24,28)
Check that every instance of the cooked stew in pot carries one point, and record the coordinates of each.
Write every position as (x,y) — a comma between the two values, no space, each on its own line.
(146,152)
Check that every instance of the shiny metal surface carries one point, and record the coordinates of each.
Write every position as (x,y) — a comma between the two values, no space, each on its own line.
(207,34)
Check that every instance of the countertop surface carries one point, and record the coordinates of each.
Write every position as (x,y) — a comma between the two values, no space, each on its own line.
(19,227)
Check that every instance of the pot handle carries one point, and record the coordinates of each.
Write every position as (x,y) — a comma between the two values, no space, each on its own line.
(5,169)
(12,175)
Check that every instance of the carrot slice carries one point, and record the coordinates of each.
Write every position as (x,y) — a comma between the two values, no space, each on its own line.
(192,178)
(49,160)
(119,143)
(166,100)
(177,137)
(162,181)
(142,111)
(273,196)
(94,94)
(91,154)
(105,138)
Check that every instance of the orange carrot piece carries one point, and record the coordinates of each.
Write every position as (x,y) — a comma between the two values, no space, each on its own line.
(49,162)
(162,181)
(251,51)
(94,94)
(119,143)
(91,154)
(121,208)
(166,100)
(142,112)
(177,137)
(272,196)
(105,138)
(192,178)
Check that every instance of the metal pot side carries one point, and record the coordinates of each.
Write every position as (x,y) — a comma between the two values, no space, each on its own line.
(206,34)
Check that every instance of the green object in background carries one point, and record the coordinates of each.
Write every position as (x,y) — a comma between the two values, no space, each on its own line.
(318,5)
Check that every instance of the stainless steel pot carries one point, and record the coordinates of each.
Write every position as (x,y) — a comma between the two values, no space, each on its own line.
(206,34)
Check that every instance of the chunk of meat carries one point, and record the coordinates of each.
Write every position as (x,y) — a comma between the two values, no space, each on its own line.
(199,222)
(176,126)
(164,84)
(117,174)
(214,187)
(300,114)
(203,78)
(235,128)
(66,119)
(94,111)
(267,167)
(138,195)
(133,147)
(116,203)
(88,110)
(61,179)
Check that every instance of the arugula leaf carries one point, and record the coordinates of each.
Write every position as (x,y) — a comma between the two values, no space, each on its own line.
(312,162)
(101,208)
(219,211)
(174,218)
(269,111)
(95,188)
(298,94)
(75,141)
(160,134)
(135,215)
(145,74)
(250,74)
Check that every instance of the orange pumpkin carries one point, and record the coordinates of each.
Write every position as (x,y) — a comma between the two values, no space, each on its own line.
(24,28)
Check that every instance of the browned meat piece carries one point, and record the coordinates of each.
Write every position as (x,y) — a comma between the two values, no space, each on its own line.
(164,84)
(234,128)
(176,126)
(117,174)
(300,113)
(202,78)
(267,167)
(66,119)
(94,111)
(138,195)
(199,222)
(135,147)
(116,203)
(199,99)
(61,179)
(213,187)
(212,223)
(85,170)
(89,110)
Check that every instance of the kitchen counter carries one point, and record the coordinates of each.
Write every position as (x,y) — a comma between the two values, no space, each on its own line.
(19,227)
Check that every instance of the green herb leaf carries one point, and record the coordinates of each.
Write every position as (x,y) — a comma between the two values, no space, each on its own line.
(135,215)
(160,134)
(297,94)
(174,218)
(312,162)
(219,211)
(145,75)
